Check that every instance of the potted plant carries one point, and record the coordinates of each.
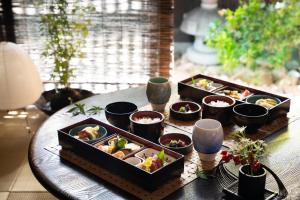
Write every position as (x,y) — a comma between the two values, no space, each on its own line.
(65,29)
(258,33)
(252,174)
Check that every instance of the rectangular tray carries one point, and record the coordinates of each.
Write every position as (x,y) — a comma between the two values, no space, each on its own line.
(186,90)
(149,181)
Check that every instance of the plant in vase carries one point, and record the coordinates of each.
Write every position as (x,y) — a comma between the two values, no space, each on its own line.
(257,33)
(252,175)
(65,28)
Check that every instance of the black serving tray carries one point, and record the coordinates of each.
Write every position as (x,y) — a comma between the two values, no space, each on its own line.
(187,91)
(149,181)
(231,193)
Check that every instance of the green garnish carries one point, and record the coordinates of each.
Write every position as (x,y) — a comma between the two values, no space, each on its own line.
(173,143)
(193,81)
(161,155)
(182,109)
(121,143)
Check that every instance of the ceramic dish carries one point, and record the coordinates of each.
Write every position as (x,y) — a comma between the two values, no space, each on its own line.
(88,132)
(251,115)
(185,111)
(263,100)
(133,160)
(218,107)
(147,124)
(177,142)
(118,113)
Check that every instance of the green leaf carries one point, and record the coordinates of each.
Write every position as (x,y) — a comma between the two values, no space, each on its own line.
(95,110)
(203,174)
(161,155)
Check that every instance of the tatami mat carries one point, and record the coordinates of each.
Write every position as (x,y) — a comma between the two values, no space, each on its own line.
(4,195)
(15,173)
(30,196)
(26,181)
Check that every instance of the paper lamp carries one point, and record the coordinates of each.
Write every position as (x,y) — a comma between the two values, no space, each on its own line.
(20,83)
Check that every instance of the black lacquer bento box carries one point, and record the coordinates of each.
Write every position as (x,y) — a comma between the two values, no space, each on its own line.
(148,180)
(191,88)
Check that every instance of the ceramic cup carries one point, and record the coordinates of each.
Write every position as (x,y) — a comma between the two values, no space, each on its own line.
(158,93)
(207,138)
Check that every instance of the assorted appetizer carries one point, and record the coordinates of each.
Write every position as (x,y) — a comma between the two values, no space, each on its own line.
(153,163)
(185,109)
(88,133)
(237,94)
(206,84)
(203,83)
(118,147)
(267,103)
(176,143)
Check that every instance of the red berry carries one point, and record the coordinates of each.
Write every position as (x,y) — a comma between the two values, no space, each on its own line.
(243,162)
(230,156)
(256,166)
(226,158)
(224,152)
(237,159)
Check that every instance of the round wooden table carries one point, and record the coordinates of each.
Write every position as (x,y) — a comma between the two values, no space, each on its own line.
(66,181)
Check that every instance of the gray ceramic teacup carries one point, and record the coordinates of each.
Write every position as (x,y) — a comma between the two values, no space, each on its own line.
(158,92)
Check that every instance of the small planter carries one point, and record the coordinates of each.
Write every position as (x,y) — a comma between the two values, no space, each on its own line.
(251,186)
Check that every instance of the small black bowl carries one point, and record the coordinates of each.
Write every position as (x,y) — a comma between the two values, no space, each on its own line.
(254,98)
(221,113)
(165,140)
(150,131)
(194,113)
(118,113)
(250,115)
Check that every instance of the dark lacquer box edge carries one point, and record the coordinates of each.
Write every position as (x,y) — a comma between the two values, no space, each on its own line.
(197,94)
(149,181)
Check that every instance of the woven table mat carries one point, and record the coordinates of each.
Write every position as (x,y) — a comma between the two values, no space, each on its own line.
(187,127)
(190,165)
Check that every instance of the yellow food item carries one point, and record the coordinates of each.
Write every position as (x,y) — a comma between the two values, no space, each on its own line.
(267,103)
(119,154)
(110,149)
(203,83)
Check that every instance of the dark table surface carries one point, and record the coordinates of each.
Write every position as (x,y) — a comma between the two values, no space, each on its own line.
(66,181)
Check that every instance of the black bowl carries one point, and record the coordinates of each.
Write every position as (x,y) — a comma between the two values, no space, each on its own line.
(222,114)
(250,115)
(150,131)
(194,113)
(165,140)
(118,113)
(254,98)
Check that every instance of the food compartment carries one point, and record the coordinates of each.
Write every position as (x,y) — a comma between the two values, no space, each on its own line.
(133,160)
(205,84)
(236,93)
(118,146)
(89,133)
(153,159)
